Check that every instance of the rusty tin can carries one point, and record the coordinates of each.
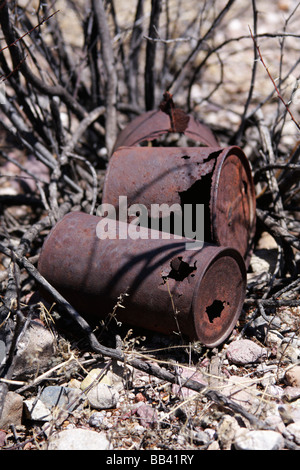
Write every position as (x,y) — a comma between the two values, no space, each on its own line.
(154,124)
(220,179)
(198,293)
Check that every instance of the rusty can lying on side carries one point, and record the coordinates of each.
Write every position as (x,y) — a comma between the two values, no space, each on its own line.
(220,179)
(206,286)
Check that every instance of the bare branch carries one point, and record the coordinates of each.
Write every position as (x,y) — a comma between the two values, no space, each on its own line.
(111,87)
(150,56)
(273,82)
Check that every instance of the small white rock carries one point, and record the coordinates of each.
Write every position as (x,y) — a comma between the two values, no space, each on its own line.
(103,397)
(274,338)
(242,390)
(245,351)
(12,410)
(210,432)
(96,419)
(294,429)
(35,410)
(275,422)
(35,351)
(276,391)
(259,440)
(92,376)
(139,430)
(292,376)
(79,439)
(114,376)
(2,351)
(259,265)
(227,431)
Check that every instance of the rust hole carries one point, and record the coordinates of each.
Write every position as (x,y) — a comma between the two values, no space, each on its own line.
(214,310)
(180,270)
(199,193)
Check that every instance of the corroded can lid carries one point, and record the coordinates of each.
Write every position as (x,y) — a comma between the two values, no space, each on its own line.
(219,297)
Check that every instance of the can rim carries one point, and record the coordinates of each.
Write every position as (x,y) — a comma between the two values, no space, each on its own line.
(237,257)
(225,154)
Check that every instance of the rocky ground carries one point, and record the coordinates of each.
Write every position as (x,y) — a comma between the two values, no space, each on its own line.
(64,395)
(87,401)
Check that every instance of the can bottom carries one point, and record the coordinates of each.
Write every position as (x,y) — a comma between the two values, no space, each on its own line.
(219,299)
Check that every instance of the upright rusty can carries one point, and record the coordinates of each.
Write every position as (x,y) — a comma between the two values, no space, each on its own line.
(218,178)
(155,124)
(198,293)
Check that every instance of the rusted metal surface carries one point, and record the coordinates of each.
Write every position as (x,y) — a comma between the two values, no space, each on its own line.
(218,178)
(206,286)
(154,124)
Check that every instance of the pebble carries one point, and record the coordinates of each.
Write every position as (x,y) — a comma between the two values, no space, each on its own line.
(291,340)
(102,397)
(79,439)
(147,416)
(258,440)
(276,391)
(113,377)
(245,351)
(138,430)
(2,351)
(241,390)
(74,383)
(211,433)
(291,393)
(2,438)
(227,430)
(92,376)
(196,93)
(201,438)
(268,374)
(36,410)
(292,376)
(291,410)
(259,264)
(181,439)
(140,397)
(59,396)
(273,338)
(34,352)
(294,430)
(184,392)
(96,419)
(214,446)
(12,410)
(288,354)
(275,421)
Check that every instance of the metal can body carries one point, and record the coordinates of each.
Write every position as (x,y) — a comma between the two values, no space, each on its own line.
(218,178)
(206,287)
